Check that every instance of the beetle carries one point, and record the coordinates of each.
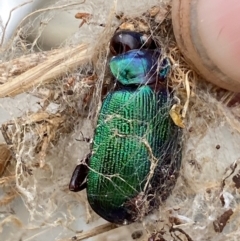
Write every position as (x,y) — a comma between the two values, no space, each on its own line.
(136,151)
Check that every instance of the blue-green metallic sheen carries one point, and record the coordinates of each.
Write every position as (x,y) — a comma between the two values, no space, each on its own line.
(139,67)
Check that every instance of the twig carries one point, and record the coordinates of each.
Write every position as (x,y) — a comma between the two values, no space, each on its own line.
(93,232)
(185,107)
(15,67)
(49,70)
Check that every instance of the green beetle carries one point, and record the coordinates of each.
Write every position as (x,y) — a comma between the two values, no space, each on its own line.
(136,152)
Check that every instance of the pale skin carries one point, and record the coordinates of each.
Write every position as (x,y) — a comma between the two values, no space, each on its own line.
(219,29)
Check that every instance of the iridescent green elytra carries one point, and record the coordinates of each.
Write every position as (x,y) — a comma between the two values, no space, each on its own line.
(133,129)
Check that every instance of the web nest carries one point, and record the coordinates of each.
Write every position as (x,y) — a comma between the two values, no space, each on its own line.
(69,84)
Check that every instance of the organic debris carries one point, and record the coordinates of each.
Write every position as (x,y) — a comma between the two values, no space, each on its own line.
(221,221)
(5,157)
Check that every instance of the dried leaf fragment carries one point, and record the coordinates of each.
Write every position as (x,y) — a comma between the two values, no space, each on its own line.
(221,221)
(236,180)
(84,16)
(176,115)
(127,26)
(154,11)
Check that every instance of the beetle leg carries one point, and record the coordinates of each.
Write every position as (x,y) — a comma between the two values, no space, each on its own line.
(78,180)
